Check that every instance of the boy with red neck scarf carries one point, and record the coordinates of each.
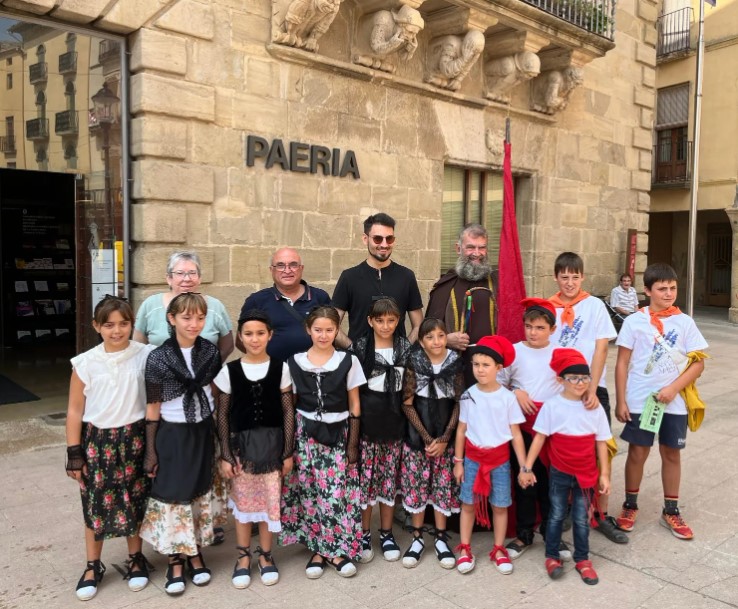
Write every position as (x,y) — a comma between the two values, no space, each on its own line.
(651,344)
(489,419)
(577,438)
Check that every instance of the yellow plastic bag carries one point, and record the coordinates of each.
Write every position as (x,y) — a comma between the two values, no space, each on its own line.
(695,405)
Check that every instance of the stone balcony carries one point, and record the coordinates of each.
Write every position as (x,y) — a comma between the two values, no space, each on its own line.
(473,52)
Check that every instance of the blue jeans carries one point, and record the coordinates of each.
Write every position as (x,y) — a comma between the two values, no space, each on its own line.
(560,487)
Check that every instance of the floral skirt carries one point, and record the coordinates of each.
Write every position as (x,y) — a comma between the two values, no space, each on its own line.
(320,499)
(380,472)
(115,489)
(428,481)
(256,498)
(179,528)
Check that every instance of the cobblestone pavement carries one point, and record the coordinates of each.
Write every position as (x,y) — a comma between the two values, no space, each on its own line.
(43,549)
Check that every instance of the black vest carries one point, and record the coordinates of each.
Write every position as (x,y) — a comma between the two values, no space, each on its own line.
(255,403)
(332,387)
(434,415)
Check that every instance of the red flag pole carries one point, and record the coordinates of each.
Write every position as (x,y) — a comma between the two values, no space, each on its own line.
(511,289)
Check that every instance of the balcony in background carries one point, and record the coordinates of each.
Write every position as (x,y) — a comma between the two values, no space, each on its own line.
(672,164)
(674,32)
(38,72)
(596,16)
(7,144)
(37,129)
(109,50)
(66,122)
(68,63)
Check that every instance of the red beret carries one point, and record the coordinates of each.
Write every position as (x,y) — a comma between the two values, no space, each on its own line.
(540,304)
(570,361)
(497,347)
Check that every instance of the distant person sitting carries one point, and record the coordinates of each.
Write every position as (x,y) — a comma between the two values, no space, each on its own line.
(623,297)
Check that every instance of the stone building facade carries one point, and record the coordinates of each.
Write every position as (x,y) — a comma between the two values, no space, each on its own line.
(413,88)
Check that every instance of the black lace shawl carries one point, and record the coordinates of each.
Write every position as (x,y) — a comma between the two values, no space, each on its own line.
(377,365)
(421,371)
(167,376)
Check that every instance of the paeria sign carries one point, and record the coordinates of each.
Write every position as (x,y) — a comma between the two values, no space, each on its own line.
(302,158)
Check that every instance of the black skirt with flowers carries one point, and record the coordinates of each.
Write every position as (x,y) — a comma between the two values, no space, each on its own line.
(115,489)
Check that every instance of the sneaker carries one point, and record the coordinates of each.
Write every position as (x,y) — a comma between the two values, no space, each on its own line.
(87,588)
(564,552)
(516,547)
(675,523)
(554,568)
(465,563)
(367,553)
(502,560)
(444,554)
(626,520)
(608,526)
(390,549)
(587,573)
(412,555)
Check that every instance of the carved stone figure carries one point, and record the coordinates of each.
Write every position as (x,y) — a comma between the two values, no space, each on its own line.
(451,58)
(505,73)
(386,35)
(550,92)
(305,22)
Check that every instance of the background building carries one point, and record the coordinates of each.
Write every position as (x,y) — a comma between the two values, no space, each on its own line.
(718,155)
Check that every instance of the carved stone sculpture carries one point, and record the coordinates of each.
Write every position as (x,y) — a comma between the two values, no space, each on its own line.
(385,35)
(451,57)
(550,92)
(505,73)
(305,22)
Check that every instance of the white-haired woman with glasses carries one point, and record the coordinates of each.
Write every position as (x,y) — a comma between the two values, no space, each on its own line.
(183,275)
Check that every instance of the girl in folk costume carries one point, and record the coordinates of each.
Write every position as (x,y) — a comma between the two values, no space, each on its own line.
(490,419)
(105,442)
(382,353)
(256,424)
(433,383)
(577,438)
(320,500)
(180,444)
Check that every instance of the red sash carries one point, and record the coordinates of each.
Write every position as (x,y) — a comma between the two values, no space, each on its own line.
(527,427)
(488,459)
(576,456)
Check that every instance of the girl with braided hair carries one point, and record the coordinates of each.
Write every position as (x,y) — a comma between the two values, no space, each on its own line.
(434,381)
(320,500)
(256,429)
(180,443)
(105,442)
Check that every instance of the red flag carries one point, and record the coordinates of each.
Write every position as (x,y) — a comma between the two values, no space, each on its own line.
(511,289)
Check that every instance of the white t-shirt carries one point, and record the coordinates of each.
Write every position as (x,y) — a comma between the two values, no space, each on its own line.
(488,416)
(651,367)
(423,393)
(570,417)
(355,378)
(377,383)
(591,323)
(115,388)
(253,372)
(173,410)
(531,372)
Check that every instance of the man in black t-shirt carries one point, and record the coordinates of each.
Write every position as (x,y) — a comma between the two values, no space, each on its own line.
(376,277)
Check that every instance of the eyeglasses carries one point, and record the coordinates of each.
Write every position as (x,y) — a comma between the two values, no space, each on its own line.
(185,274)
(390,239)
(578,380)
(282,267)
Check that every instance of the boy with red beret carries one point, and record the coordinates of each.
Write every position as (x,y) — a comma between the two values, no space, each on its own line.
(575,436)
(488,421)
(533,382)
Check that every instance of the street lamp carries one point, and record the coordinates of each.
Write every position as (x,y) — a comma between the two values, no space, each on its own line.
(105,110)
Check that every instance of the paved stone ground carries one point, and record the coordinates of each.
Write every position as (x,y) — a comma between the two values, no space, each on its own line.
(43,550)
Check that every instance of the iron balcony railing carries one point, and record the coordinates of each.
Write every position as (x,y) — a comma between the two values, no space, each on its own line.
(68,62)
(672,163)
(37,129)
(38,72)
(109,49)
(673,32)
(66,122)
(596,16)
(7,143)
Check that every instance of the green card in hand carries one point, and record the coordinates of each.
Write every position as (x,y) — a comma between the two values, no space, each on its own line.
(652,414)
